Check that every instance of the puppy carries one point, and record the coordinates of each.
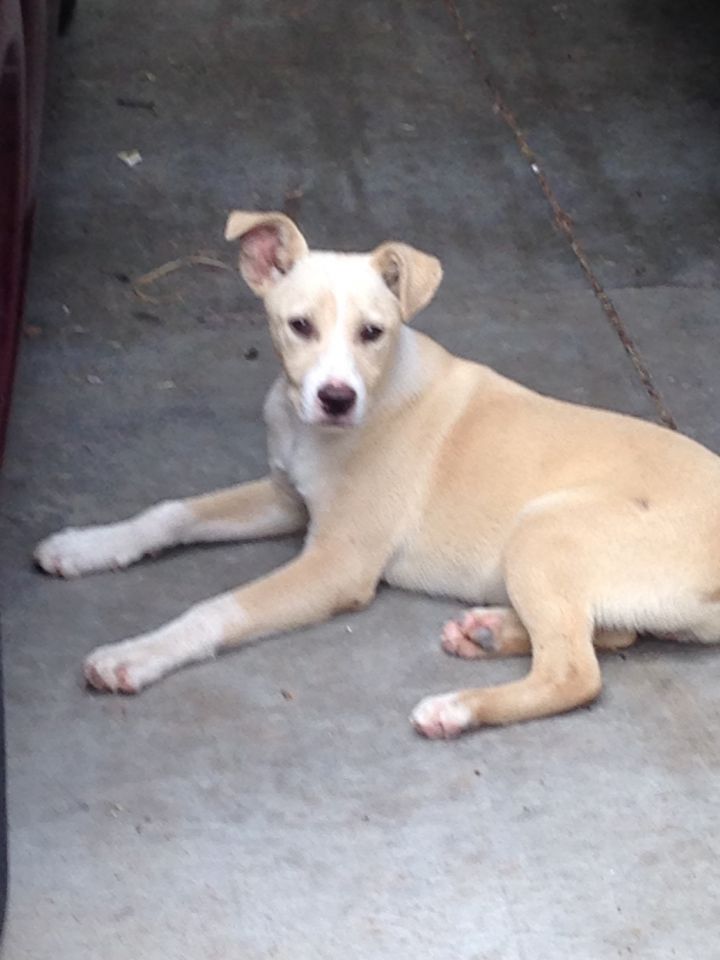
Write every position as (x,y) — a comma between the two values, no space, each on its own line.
(574,527)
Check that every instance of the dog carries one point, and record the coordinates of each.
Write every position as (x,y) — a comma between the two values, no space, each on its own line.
(574,527)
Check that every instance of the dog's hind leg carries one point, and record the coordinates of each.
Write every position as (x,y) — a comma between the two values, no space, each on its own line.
(704,626)
(565,674)
(484,632)
(263,508)
(614,640)
(548,576)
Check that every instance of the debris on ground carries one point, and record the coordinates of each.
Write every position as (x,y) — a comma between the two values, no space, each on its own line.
(251,353)
(291,205)
(192,260)
(212,319)
(136,104)
(130,158)
(146,316)
(287,695)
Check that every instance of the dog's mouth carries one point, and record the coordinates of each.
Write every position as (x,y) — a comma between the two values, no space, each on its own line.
(337,422)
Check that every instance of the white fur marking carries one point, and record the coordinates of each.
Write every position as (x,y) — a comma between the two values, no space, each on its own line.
(406,378)
(76,551)
(441,717)
(335,363)
(195,635)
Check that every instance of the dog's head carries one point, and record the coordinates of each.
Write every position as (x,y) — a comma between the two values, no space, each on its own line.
(334,317)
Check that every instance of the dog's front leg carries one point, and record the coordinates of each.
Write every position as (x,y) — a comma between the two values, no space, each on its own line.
(264,508)
(322,581)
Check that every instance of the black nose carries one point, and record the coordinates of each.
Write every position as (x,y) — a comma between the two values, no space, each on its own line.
(337,398)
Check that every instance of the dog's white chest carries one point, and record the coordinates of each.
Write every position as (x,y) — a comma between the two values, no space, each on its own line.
(293,449)
(300,463)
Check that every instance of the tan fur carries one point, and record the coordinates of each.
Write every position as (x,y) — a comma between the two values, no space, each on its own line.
(446,477)
(412,276)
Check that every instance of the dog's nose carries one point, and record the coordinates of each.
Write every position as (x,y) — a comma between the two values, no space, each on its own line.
(337,398)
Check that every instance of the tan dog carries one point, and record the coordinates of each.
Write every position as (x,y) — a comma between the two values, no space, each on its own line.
(412,466)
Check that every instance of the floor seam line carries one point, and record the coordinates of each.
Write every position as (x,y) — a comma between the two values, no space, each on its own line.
(564,224)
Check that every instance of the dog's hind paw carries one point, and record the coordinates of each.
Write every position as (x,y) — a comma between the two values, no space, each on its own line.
(485,632)
(458,641)
(442,717)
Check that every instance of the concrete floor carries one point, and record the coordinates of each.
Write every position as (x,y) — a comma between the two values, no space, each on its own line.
(211,817)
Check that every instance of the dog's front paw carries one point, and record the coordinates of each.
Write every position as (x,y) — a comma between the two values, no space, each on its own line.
(76,551)
(124,667)
(441,718)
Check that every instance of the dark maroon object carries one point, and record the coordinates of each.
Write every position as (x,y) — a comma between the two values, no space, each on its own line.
(26,31)
(27,28)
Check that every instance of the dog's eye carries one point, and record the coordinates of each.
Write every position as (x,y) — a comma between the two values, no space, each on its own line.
(302,327)
(370,333)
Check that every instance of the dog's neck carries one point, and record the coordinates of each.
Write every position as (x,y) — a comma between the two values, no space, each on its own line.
(417,362)
(405,376)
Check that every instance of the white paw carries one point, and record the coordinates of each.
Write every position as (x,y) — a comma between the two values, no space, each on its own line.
(74,551)
(442,717)
(125,667)
(129,666)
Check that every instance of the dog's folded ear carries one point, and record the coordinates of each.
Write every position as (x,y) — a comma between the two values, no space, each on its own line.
(270,243)
(410,275)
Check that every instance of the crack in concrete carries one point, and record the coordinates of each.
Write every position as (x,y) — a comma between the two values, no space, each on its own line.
(563,222)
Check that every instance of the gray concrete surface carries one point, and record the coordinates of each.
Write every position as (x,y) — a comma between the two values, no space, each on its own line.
(619,101)
(211,817)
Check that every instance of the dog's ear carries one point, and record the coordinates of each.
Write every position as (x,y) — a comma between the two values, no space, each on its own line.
(270,243)
(410,275)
